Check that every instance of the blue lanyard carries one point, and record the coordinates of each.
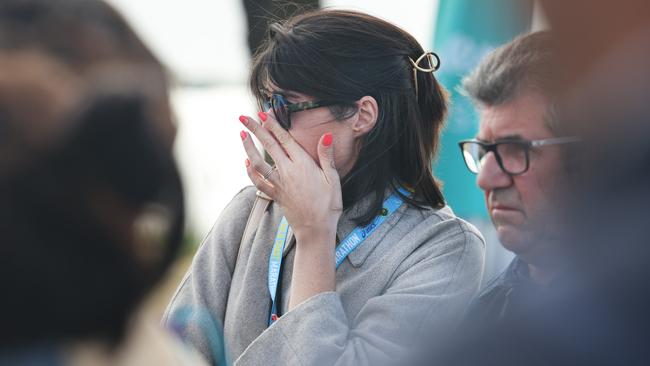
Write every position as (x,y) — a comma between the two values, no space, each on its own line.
(345,247)
(275,263)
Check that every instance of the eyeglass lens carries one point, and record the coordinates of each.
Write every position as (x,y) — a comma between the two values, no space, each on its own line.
(280,110)
(512,157)
(473,153)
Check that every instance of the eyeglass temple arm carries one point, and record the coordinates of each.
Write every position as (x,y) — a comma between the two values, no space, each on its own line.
(555,141)
(297,107)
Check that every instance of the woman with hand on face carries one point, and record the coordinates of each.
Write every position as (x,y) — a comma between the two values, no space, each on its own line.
(357,255)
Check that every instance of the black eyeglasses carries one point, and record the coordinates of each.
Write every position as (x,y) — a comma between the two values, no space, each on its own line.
(512,155)
(283,109)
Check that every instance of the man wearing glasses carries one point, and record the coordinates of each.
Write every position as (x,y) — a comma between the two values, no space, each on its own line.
(519,156)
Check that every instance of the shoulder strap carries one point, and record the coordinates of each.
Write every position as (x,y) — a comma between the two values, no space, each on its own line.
(261,204)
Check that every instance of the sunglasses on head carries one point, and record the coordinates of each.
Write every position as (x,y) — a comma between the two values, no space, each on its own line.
(282,109)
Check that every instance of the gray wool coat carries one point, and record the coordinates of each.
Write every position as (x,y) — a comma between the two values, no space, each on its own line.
(415,273)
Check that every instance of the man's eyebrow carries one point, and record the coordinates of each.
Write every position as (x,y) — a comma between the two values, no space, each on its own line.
(509,137)
(515,137)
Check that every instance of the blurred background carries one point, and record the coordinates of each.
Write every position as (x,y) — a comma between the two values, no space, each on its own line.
(205,45)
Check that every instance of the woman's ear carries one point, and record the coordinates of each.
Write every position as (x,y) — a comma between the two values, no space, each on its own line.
(367,115)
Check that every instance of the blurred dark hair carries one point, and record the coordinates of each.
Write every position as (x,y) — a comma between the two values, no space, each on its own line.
(89,37)
(91,204)
(82,33)
(343,56)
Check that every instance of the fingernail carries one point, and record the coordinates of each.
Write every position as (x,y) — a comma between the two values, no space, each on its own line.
(248,163)
(243,135)
(263,116)
(327,140)
(244,120)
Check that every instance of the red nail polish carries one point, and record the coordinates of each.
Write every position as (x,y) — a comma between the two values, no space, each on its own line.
(243,135)
(244,120)
(327,140)
(263,116)
(248,163)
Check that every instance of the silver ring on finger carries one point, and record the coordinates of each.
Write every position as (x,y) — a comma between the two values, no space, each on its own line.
(268,173)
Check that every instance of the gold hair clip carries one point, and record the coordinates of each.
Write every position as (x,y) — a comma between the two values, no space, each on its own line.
(416,66)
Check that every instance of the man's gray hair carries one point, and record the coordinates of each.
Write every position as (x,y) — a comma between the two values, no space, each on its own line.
(526,63)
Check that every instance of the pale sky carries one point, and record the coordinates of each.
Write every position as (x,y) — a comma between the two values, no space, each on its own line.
(204,40)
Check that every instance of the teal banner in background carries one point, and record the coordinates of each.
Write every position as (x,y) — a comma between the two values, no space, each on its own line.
(465,31)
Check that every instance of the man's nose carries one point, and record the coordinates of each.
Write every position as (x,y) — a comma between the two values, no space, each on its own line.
(491,176)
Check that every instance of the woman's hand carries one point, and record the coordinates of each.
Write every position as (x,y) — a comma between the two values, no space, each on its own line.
(309,194)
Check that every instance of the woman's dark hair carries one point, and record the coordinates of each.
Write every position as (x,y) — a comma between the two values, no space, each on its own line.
(343,56)
(91,203)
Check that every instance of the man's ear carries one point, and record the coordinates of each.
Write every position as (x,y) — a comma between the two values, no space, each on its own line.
(367,115)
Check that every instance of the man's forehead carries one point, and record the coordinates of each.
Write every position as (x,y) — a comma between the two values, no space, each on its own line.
(520,118)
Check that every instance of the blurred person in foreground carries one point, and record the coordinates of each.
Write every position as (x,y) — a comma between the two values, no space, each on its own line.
(351,116)
(522,162)
(603,319)
(598,313)
(91,203)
